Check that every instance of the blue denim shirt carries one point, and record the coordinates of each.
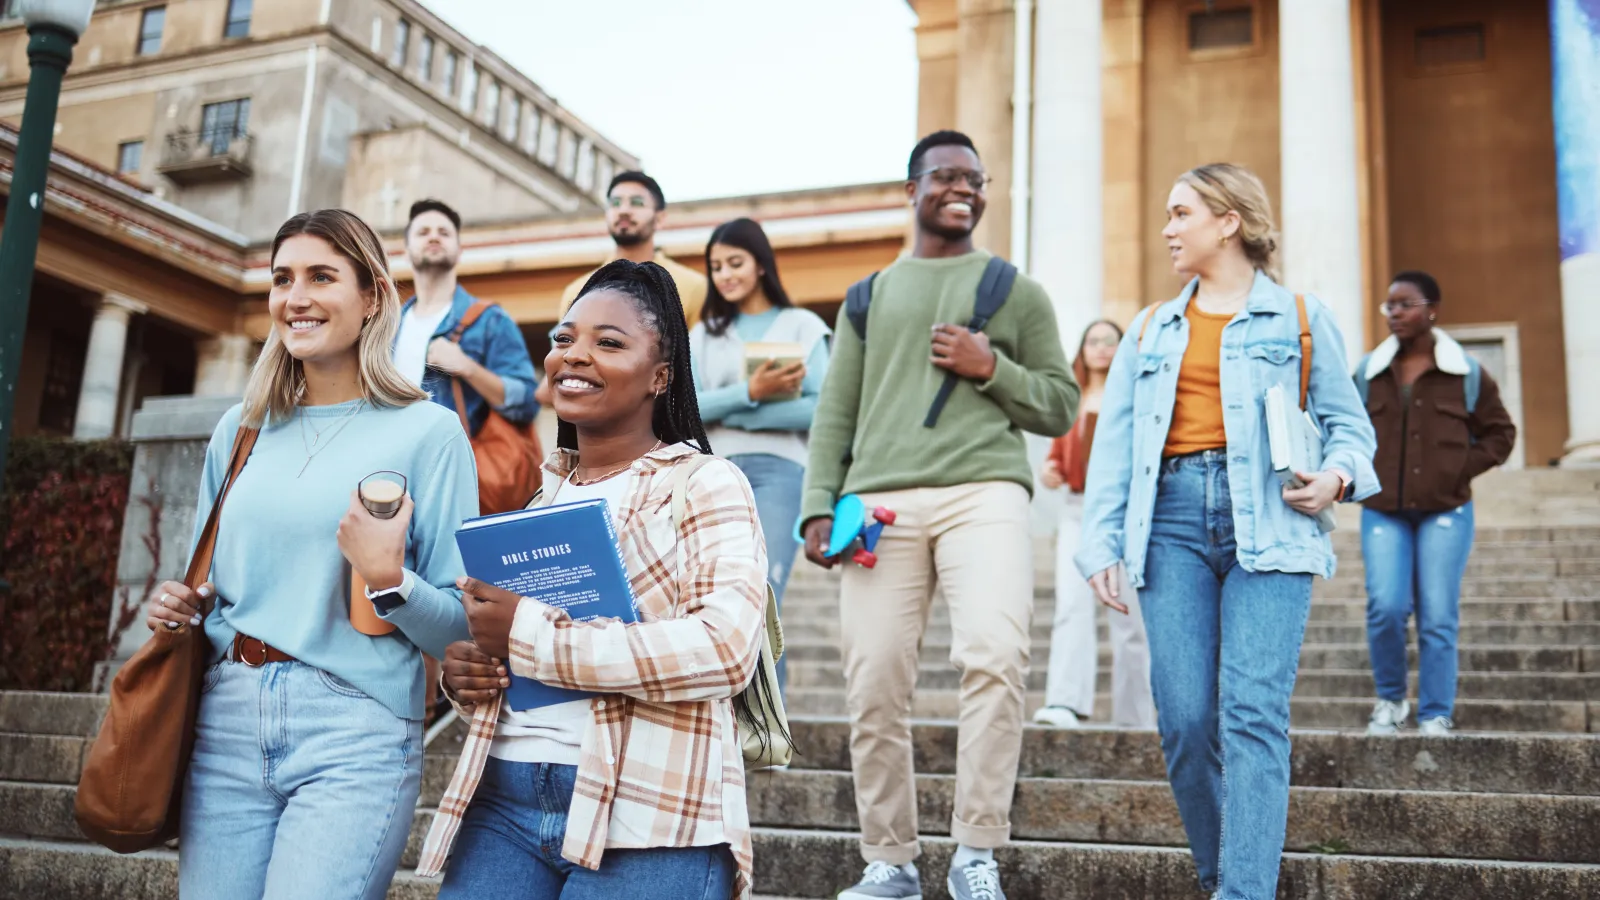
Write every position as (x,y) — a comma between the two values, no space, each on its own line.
(1260,348)
(494,342)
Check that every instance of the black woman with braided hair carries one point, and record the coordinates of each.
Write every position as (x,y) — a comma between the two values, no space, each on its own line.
(641,789)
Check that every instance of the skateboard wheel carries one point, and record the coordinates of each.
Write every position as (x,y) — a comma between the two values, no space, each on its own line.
(884,515)
(866,559)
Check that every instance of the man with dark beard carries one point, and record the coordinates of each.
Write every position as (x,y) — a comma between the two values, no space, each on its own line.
(489,356)
(959,483)
(635,209)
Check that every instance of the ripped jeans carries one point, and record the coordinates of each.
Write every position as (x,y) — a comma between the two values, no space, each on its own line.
(1415,562)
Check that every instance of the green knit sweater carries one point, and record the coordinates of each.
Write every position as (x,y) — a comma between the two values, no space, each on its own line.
(878,391)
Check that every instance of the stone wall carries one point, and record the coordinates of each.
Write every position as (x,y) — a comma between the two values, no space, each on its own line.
(170,435)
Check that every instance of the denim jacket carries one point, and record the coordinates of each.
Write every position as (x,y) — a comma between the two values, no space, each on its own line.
(494,342)
(1260,348)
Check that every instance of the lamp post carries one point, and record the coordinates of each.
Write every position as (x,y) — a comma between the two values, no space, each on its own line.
(53,27)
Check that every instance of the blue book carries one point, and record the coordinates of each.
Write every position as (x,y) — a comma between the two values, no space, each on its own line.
(565,555)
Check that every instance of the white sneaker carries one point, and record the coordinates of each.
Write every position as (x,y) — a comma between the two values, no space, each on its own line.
(1438,726)
(882,881)
(1388,716)
(1057,717)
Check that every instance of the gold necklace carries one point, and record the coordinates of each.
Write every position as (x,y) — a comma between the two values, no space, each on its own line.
(586,482)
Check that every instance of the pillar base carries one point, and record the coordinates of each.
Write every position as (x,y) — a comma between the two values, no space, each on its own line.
(1584,455)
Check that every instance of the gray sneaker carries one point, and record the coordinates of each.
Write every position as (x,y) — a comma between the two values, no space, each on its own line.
(883,881)
(977,880)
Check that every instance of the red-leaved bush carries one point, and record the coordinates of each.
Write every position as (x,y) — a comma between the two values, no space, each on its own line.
(61,525)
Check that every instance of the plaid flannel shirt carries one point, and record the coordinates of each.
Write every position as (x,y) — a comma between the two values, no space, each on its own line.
(662,764)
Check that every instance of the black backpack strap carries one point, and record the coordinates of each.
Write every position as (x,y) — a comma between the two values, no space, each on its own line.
(856,302)
(994,289)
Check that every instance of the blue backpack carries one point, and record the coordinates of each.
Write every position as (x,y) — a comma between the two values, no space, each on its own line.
(1470,383)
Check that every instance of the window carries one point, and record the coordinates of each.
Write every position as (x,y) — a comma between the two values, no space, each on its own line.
(9,10)
(238,24)
(469,94)
(1450,45)
(377,34)
(150,26)
(220,123)
(63,381)
(567,159)
(604,169)
(130,154)
(425,58)
(452,61)
(1222,29)
(491,105)
(402,43)
(514,119)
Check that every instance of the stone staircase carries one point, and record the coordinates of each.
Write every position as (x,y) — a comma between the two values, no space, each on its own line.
(1509,808)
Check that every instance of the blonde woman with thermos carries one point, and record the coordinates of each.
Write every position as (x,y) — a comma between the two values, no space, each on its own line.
(307,759)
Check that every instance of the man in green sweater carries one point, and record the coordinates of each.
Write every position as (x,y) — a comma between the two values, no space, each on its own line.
(961,492)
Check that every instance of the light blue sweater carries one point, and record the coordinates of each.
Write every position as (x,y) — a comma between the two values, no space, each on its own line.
(279,574)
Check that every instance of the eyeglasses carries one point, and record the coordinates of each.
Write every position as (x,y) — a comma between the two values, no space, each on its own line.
(945,176)
(1102,342)
(1390,307)
(637,201)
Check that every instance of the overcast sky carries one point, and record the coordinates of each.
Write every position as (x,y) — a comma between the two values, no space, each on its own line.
(722,97)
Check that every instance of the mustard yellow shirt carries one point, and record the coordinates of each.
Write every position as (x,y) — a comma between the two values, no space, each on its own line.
(1197,410)
(691,287)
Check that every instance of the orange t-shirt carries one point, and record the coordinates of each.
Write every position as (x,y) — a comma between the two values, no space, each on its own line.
(1197,409)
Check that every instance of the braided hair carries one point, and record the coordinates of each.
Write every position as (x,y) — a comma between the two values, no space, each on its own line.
(676,418)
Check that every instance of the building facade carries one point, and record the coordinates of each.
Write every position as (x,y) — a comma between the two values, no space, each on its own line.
(1461,137)
(246,113)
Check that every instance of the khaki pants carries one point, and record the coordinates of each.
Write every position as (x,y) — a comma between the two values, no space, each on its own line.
(975,541)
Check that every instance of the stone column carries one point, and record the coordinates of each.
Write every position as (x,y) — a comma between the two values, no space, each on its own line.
(223,365)
(1575,40)
(1320,206)
(937,65)
(984,37)
(1068,242)
(102,368)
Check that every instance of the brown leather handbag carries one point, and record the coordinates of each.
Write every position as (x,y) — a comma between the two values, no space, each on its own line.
(508,455)
(131,791)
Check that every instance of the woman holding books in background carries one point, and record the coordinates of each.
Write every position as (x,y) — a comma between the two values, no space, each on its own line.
(307,759)
(1224,576)
(1074,643)
(639,791)
(759,362)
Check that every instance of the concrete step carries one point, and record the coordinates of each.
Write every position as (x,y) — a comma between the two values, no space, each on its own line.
(1534,827)
(1317,632)
(1483,658)
(49,758)
(1487,763)
(1573,717)
(1350,683)
(48,712)
(822,863)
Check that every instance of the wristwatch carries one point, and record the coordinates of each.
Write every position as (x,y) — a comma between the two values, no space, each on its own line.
(1348,492)
(388,600)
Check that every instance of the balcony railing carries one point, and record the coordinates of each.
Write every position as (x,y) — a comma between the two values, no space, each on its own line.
(200,156)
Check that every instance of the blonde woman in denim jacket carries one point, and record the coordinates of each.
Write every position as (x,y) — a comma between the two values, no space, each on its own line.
(1181,491)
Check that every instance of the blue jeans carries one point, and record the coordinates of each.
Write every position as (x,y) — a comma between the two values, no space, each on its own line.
(777,484)
(510,846)
(1415,561)
(1224,647)
(300,786)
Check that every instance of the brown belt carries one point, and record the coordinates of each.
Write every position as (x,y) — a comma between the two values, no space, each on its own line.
(254,652)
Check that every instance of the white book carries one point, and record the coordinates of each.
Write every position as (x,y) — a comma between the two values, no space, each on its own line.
(1296,444)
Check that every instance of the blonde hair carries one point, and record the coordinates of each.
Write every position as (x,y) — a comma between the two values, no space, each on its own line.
(278,381)
(1226,187)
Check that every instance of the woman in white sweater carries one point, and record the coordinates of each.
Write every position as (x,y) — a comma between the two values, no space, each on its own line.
(758,408)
